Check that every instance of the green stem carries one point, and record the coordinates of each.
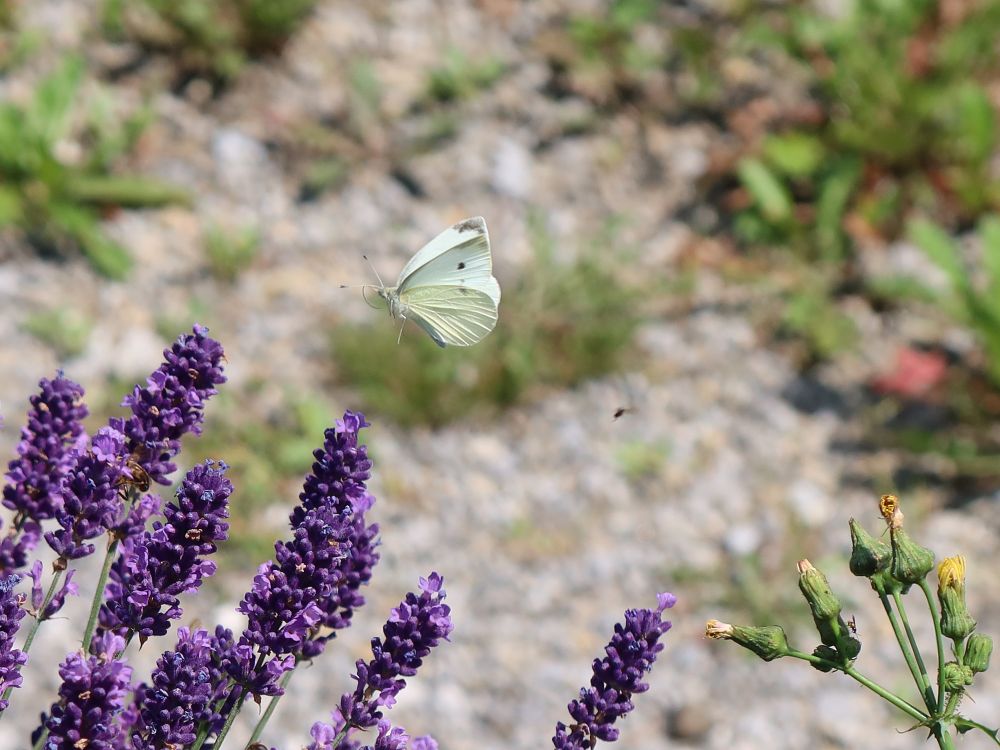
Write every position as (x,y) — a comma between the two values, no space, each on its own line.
(903,705)
(39,619)
(935,616)
(923,682)
(95,606)
(904,646)
(953,700)
(205,729)
(271,706)
(229,721)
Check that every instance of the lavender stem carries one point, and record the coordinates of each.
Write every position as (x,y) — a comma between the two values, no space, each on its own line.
(271,706)
(39,619)
(95,606)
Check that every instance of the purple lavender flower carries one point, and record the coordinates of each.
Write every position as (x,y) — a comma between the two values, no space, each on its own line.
(49,439)
(58,599)
(340,471)
(178,698)
(337,482)
(11,612)
(92,502)
(172,403)
(15,546)
(91,696)
(617,676)
(282,606)
(414,627)
(156,568)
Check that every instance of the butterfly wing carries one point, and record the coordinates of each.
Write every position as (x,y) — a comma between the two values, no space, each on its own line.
(459,256)
(455,315)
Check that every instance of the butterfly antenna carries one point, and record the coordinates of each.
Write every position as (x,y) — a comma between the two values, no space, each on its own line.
(380,283)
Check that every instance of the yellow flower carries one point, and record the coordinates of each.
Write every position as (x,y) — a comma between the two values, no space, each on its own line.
(951,573)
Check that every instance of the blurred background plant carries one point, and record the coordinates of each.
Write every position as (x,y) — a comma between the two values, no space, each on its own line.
(213,40)
(55,190)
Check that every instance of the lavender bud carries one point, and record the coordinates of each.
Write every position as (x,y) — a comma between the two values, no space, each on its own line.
(154,569)
(51,436)
(630,654)
(172,402)
(91,501)
(178,698)
(416,626)
(91,696)
(11,613)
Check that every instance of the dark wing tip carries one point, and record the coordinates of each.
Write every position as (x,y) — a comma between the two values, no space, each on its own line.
(474,224)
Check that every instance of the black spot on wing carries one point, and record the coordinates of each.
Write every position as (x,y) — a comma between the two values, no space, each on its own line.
(461,265)
(469,225)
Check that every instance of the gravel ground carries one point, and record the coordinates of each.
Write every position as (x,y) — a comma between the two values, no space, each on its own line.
(552,519)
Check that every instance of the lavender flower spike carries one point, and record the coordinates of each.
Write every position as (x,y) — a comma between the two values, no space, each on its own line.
(179,697)
(414,627)
(172,403)
(338,482)
(92,694)
(617,676)
(92,500)
(50,440)
(155,569)
(11,612)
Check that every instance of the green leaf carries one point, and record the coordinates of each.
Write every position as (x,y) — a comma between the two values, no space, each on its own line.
(10,206)
(48,116)
(106,256)
(794,154)
(125,191)
(989,233)
(975,123)
(939,247)
(834,198)
(769,193)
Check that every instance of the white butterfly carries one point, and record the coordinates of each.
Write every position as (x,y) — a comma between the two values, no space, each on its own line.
(448,288)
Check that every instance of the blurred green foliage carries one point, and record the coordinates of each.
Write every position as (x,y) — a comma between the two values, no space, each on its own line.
(974,294)
(560,325)
(57,201)
(230,252)
(459,77)
(906,121)
(599,54)
(210,38)
(65,330)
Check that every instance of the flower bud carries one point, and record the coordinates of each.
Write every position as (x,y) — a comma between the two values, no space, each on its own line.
(977,652)
(868,554)
(956,622)
(768,642)
(828,653)
(884,583)
(910,562)
(956,677)
(816,589)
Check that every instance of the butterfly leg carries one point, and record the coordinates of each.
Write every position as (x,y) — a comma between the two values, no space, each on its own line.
(402,325)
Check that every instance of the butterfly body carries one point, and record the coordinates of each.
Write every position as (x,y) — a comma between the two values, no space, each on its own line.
(448,288)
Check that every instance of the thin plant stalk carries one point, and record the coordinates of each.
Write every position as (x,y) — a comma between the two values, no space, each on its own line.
(95,606)
(900,703)
(904,647)
(271,706)
(39,619)
(939,638)
(925,683)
